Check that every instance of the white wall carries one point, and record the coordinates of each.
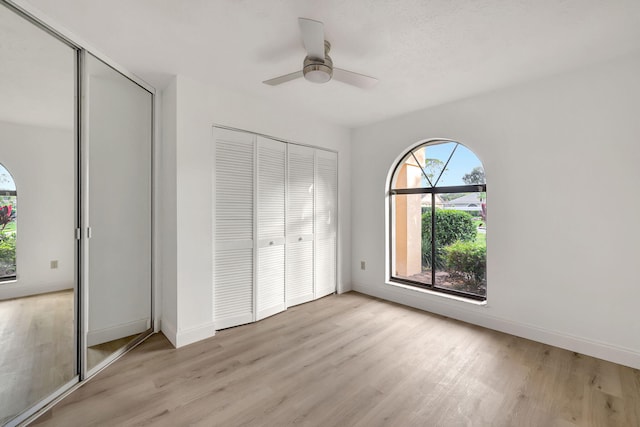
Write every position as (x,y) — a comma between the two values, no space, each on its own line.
(562,160)
(41,161)
(198,107)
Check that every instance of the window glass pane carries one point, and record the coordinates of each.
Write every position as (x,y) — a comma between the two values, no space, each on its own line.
(409,245)
(435,158)
(441,165)
(461,243)
(409,174)
(463,168)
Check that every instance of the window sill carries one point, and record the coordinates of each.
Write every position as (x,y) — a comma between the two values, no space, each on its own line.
(437,294)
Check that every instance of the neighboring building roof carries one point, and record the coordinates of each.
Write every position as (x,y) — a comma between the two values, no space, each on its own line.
(469,199)
(470,202)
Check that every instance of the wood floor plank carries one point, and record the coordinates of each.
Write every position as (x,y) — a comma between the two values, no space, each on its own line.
(37,349)
(353,360)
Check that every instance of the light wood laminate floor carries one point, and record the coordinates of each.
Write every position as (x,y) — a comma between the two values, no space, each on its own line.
(352,360)
(37,349)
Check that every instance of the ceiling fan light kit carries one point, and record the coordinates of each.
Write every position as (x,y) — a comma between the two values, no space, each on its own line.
(318,66)
(318,71)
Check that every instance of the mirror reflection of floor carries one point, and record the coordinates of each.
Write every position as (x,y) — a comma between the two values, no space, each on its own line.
(37,349)
(99,352)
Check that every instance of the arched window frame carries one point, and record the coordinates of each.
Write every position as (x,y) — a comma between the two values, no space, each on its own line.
(434,191)
(9,191)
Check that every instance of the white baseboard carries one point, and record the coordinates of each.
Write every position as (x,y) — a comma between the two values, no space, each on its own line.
(601,350)
(99,336)
(188,336)
(343,287)
(10,290)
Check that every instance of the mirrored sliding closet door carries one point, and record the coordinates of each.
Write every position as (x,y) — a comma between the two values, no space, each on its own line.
(38,215)
(76,141)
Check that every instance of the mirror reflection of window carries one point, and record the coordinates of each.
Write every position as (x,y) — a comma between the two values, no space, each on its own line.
(8,225)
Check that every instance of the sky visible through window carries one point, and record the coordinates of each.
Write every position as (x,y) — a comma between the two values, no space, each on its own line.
(462,162)
(6,182)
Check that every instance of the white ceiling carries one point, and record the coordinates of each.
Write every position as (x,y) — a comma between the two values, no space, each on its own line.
(424,52)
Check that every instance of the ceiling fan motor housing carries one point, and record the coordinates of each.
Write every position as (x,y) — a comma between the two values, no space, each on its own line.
(317,66)
(317,70)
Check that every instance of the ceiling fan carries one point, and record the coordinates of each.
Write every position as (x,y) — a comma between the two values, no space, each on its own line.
(318,66)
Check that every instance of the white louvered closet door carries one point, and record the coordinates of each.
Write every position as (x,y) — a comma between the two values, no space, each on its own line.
(300,210)
(233,226)
(270,279)
(326,222)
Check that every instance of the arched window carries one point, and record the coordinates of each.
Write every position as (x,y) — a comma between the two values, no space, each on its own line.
(8,230)
(437,228)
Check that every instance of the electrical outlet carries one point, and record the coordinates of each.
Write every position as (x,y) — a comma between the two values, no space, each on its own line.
(54,264)
(362,265)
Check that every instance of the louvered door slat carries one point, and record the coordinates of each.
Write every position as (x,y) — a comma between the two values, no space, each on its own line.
(326,222)
(271,188)
(300,211)
(326,193)
(299,272)
(270,280)
(233,287)
(300,191)
(325,266)
(233,186)
(233,264)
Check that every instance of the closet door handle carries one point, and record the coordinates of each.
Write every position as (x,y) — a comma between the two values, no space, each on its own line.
(271,243)
(299,239)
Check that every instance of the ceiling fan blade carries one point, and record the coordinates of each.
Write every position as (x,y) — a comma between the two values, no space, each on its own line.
(312,37)
(283,79)
(354,79)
